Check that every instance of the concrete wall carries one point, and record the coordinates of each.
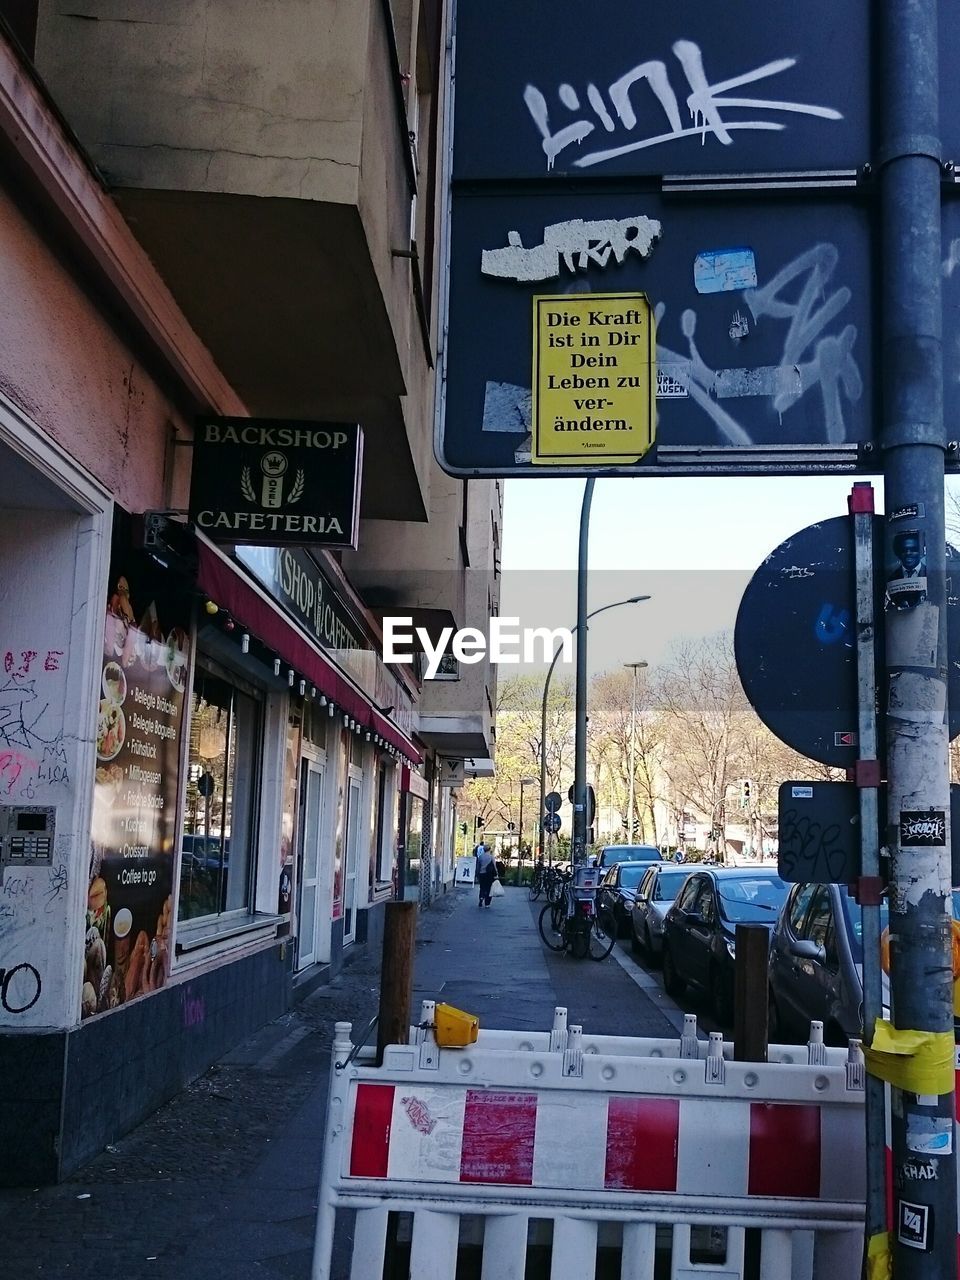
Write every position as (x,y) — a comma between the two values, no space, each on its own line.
(262,97)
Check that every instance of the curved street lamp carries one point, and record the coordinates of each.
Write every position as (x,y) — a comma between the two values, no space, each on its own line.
(543,714)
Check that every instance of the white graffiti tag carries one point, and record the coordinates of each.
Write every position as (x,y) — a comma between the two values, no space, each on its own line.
(810,358)
(706,104)
(578,243)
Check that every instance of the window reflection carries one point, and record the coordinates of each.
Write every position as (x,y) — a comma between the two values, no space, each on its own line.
(218,802)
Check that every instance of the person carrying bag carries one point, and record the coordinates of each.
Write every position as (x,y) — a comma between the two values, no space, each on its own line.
(486,873)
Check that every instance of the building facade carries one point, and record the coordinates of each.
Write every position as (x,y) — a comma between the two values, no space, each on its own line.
(210,781)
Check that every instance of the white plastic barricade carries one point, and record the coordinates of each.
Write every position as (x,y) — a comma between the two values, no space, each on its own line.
(559,1153)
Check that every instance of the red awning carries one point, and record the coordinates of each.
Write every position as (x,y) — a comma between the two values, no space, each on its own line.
(233,591)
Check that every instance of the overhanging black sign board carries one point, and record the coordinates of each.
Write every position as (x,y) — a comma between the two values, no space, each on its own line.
(277,482)
(763,312)
(819,837)
(551,88)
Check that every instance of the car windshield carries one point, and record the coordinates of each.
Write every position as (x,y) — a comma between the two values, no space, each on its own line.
(750,899)
(630,877)
(668,885)
(630,853)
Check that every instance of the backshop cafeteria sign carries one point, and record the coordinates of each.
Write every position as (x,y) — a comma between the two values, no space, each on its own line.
(277,482)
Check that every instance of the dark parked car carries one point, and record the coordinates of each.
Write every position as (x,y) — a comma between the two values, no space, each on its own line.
(616,892)
(700,928)
(656,894)
(816,964)
(627,853)
(816,959)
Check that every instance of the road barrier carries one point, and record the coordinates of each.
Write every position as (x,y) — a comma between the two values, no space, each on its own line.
(550,1156)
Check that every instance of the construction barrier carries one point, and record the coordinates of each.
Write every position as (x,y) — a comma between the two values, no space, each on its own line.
(554,1155)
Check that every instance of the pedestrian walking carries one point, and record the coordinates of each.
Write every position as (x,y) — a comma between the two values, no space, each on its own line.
(486,872)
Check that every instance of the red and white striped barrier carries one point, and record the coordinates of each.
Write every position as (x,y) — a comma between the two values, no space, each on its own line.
(663,1151)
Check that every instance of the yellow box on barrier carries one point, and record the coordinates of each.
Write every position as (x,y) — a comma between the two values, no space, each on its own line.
(455,1029)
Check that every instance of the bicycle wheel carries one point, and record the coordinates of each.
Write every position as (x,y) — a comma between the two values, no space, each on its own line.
(555,890)
(536,888)
(552,933)
(558,913)
(603,934)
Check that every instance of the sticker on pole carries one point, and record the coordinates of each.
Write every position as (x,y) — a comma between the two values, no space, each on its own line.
(594,379)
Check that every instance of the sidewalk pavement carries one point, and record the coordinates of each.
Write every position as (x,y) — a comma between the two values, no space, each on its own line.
(222,1181)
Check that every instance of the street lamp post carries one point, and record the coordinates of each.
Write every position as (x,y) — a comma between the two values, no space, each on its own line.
(633,749)
(524,782)
(543,712)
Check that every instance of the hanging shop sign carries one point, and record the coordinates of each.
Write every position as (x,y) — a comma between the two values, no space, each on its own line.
(277,482)
(144,673)
(593,378)
(295,580)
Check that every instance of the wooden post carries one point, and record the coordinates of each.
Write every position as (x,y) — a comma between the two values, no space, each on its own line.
(396,975)
(750,1027)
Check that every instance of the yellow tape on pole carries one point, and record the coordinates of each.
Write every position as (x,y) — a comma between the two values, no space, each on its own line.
(915,1061)
(879,1258)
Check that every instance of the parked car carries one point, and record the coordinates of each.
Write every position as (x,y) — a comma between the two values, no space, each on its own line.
(816,964)
(699,933)
(616,892)
(655,895)
(627,853)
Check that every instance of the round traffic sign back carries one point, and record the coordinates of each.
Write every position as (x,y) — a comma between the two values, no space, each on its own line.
(552,801)
(552,823)
(796,642)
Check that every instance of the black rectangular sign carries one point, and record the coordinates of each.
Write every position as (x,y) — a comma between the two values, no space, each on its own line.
(553,88)
(819,836)
(763,316)
(277,482)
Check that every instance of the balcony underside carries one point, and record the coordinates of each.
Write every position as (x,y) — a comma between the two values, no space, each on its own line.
(285,297)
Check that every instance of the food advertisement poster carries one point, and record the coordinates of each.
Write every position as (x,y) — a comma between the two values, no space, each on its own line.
(143,679)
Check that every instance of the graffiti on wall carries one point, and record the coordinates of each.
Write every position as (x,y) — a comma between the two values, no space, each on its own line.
(708,108)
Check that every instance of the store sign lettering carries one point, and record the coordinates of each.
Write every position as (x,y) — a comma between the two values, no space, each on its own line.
(277,483)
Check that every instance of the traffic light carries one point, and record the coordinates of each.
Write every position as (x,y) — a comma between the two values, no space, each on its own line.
(745,790)
(463,828)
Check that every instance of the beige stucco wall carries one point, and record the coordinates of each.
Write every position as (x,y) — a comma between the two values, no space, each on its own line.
(70,372)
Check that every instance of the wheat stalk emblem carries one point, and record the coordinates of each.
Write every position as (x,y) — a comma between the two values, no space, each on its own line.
(297,488)
(246,485)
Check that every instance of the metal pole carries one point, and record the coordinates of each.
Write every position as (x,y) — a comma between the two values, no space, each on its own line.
(543,746)
(633,758)
(867,777)
(520,836)
(913,441)
(580,740)
(543,709)
(633,751)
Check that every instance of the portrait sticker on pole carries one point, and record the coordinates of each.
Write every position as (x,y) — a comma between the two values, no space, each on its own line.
(907,582)
(594,374)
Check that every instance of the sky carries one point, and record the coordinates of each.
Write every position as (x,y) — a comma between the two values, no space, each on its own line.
(692,544)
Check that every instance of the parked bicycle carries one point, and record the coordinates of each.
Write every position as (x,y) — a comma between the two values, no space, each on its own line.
(538,881)
(574,924)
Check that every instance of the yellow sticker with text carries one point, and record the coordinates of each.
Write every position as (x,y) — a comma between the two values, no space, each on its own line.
(594,379)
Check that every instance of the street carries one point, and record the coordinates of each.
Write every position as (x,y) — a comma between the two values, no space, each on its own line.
(222,1180)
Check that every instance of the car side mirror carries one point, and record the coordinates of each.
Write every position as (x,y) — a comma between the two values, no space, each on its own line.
(806,949)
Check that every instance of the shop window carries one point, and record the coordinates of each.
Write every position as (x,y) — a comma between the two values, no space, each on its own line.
(219,817)
(386,821)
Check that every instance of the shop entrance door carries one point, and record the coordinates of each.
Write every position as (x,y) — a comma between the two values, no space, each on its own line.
(354,793)
(311,826)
